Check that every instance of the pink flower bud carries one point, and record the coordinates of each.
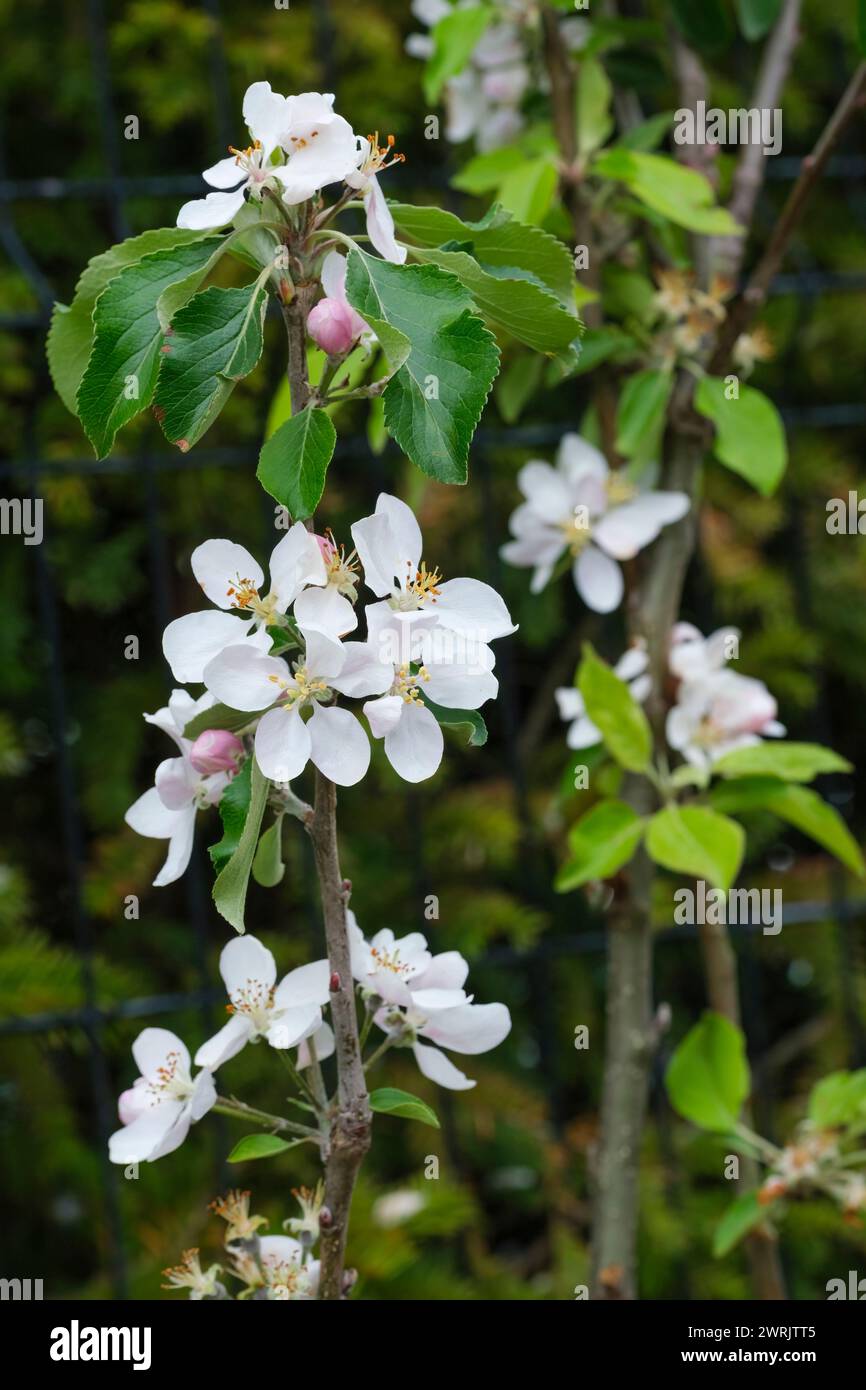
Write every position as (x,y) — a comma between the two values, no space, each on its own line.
(216,750)
(332,324)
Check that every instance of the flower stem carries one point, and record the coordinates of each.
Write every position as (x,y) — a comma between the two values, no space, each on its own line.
(229,1106)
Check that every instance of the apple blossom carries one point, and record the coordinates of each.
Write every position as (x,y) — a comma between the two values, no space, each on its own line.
(216,750)
(372,160)
(281,1013)
(321,146)
(691,656)
(202,1284)
(168,810)
(156,1113)
(332,323)
(286,1275)
(329,608)
(583,510)
(631,668)
(719,712)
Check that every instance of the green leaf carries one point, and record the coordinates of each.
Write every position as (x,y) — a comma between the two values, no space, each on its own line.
(497,241)
(757,17)
(615,713)
(529,313)
(468,719)
(259,1146)
(233,807)
(528,190)
(601,842)
(486,171)
(230,886)
(750,436)
(697,841)
(838,1099)
(434,399)
(805,809)
(216,339)
(594,95)
(682,195)
(742,1216)
(649,134)
(218,717)
(705,24)
(707,1078)
(70,337)
(294,462)
(640,416)
(794,762)
(389,1101)
(454,38)
(268,866)
(121,373)
(598,344)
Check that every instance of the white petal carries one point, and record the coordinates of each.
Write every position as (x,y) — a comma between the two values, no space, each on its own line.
(192,641)
(547,491)
(154,1047)
(326,610)
(333,275)
(633,662)
(471,1028)
(627,529)
(598,580)
(219,565)
(429,1000)
(150,816)
(176,781)
(266,114)
(174,1137)
(325,655)
(280,1250)
(179,850)
(225,1044)
(378,552)
(295,561)
(448,970)
(583,733)
(578,458)
(290,1025)
(363,673)
(384,715)
(282,745)
(137,1142)
(339,747)
(569,702)
(323,1041)
(437,1067)
(414,747)
(244,679)
(459,686)
(216,210)
(308,984)
(405,530)
(226,173)
(246,962)
(380,224)
(204,1096)
(473,608)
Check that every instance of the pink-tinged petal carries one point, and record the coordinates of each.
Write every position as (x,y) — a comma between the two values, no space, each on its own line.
(471,1028)
(179,850)
(473,608)
(176,782)
(625,530)
(437,1067)
(133,1102)
(204,1096)
(290,1026)
(295,561)
(578,458)
(363,673)
(139,1141)
(282,745)
(325,610)
(333,326)
(384,715)
(308,984)
(323,1041)
(448,970)
(244,679)
(339,746)
(226,173)
(220,566)
(153,1049)
(415,745)
(216,210)
(246,964)
(266,113)
(150,816)
(598,579)
(182,708)
(546,491)
(227,1043)
(333,276)
(191,642)
(380,224)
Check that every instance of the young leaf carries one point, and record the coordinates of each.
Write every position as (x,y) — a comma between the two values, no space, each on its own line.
(216,339)
(389,1101)
(794,762)
(465,719)
(640,415)
(230,886)
(294,461)
(233,807)
(268,866)
(601,842)
(259,1146)
(615,713)
(218,717)
(122,369)
(696,841)
(742,1216)
(528,190)
(682,195)
(707,1078)
(434,400)
(750,436)
(454,38)
(838,1099)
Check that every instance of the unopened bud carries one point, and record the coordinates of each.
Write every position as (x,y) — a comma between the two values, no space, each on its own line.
(216,750)
(332,325)
(325,1218)
(334,984)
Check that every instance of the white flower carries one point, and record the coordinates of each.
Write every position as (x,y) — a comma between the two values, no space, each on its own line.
(692,656)
(389,544)
(720,712)
(423,659)
(424,998)
(330,608)
(164,1101)
(332,737)
(286,1276)
(581,509)
(232,579)
(322,147)
(168,810)
(282,1013)
(631,668)
(372,160)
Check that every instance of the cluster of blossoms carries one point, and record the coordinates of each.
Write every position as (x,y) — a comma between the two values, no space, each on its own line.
(427,639)
(270,1268)
(689,316)
(299,146)
(409,993)
(814,1162)
(583,514)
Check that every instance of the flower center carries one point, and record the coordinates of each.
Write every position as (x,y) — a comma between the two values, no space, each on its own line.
(619,490)
(416,591)
(342,568)
(406,683)
(245,595)
(577,530)
(172,1081)
(256,1001)
(250,160)
(391,961)
(378,157)
(303,690)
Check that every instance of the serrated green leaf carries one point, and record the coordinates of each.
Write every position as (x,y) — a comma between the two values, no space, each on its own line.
(294,462)
(233,807)
(216,339)
(268,866)
(682,195)
(641,412)
(259,1146)
(793,762)
(742,1216)
(460,719)
(696,841)
(750,436)
(614,711)
(454,37)
(230,886)
(708,1078)
(218,717)
(70,337)
(389,1101)
(601,842)
(121,373)
(434,400)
